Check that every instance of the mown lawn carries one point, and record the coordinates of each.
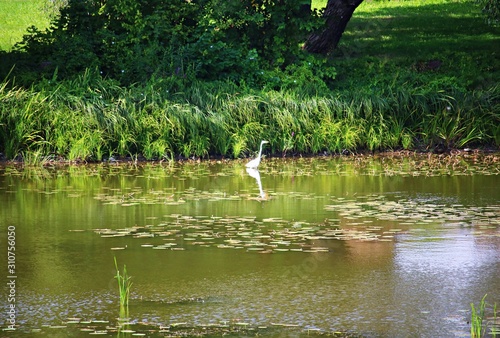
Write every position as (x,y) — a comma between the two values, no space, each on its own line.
(438,42)
(16,16)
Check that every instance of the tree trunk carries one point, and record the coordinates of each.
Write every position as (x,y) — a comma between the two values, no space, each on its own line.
(337,15)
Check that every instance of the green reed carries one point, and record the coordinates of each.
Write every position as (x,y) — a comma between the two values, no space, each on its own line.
(479,323)
(477,329)
(36,158)
(383,98)
(495,328)
(124,285)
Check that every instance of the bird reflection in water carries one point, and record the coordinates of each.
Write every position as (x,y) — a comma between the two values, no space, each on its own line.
(255,174)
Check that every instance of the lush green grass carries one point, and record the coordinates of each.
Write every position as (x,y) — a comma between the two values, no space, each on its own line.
(16,16)
(92,118)
(318,3)
(437,43)
(440,43)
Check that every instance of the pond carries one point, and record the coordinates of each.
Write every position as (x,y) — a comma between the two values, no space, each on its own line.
(372,246)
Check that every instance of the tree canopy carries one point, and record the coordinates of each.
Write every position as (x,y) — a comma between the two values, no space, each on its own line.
(247,41)
(132,40)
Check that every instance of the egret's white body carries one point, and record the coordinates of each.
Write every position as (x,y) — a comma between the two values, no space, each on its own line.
(256,161)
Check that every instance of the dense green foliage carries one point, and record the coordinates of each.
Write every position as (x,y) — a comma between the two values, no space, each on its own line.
(130,40)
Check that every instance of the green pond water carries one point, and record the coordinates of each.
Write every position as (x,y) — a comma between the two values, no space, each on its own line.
(372,246)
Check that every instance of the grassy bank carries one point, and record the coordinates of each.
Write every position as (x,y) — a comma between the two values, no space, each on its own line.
(90,118)
(410,75)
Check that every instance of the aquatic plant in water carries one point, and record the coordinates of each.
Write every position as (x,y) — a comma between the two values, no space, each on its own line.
(478,322)
(124,285)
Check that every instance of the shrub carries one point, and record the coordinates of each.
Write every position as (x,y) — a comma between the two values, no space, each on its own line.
(132,40)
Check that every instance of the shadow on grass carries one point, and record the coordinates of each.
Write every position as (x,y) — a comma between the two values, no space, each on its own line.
(425,29)
(450,40)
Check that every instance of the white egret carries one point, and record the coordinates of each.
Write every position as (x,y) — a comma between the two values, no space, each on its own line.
(256,161)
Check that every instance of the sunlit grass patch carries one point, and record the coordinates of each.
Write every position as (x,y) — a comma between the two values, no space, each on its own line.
(437,41)
(16,16)
(318,3)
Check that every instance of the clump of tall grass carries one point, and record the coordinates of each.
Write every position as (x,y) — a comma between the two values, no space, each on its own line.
(124,285)
(479,323)
(92,118)
(36,158)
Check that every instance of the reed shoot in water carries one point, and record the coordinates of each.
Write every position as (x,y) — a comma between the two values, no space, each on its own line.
(479,323)
(124,285)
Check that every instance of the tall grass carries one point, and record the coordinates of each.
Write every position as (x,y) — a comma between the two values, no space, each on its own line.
(91,118)
(124,285)
(479,323)
(477,329)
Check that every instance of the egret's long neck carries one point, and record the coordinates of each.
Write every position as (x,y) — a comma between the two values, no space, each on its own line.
(260,151)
